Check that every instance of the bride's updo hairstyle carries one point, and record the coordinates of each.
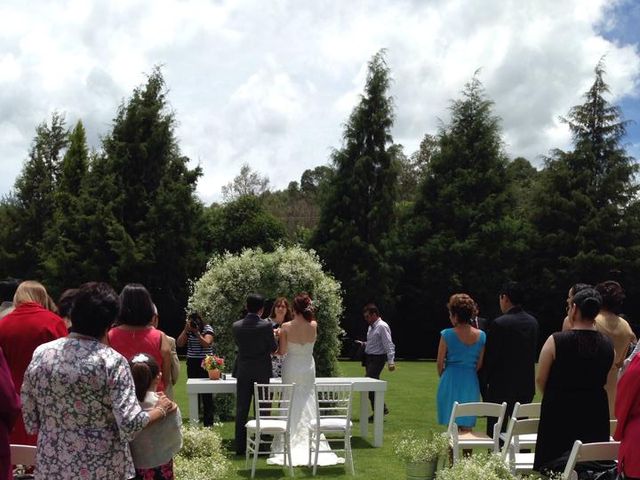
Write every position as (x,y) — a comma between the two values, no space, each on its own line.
(303,305)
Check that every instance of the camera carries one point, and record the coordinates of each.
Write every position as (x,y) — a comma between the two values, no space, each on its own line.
(194,321)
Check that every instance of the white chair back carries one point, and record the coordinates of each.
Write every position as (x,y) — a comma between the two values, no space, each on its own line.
(23,455)
(333,400)
(273,401)
(590,452)
(526,410)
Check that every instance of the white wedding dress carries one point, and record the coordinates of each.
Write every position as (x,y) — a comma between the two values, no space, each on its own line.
(300,368)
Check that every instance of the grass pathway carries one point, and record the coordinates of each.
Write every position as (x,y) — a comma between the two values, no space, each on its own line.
(411,400)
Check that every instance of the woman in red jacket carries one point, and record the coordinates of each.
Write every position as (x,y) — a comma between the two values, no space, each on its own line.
(628,415)
(27,327)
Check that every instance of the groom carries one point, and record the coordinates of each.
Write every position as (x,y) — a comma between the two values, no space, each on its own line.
(256,342)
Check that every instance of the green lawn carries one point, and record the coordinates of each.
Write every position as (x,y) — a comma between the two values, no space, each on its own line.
(411,399)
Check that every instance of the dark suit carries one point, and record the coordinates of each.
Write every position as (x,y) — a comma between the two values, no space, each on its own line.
(255,341)
(509,361)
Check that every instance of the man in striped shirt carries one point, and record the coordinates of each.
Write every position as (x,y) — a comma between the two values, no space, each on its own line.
(379,347)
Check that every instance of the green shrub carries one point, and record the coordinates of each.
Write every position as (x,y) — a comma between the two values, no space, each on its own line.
(201,456)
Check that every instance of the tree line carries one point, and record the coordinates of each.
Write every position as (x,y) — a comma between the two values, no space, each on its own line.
(403,230)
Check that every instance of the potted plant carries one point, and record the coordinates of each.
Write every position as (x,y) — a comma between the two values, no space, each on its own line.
(421,453)
(213,365)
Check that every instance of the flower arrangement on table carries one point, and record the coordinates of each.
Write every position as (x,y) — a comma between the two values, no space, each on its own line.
(212,362)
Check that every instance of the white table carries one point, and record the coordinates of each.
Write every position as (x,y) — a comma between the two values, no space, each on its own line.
(364,385)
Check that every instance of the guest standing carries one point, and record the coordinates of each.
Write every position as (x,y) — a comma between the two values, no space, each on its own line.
(79,396)
(617,329)
(29,325)
(9,411)
(510,357)
(460,356)
(135,332)
(378,349)
(198,337)
(572,373)
(280,313)
(628,415)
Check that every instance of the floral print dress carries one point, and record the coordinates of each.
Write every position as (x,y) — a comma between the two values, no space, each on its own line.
(78,395)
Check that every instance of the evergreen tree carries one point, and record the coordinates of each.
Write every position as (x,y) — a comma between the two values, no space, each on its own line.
(150,217)
(66,249)
(32,211)
(581,204)
(461,236)
(358,212)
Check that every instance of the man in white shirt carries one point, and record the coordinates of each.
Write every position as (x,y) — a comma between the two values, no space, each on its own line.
(378,348)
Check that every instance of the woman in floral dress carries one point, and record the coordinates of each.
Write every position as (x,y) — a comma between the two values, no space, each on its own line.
(78,396)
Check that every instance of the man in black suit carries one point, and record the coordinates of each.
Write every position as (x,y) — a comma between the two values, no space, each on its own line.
(510,354)
(256,342)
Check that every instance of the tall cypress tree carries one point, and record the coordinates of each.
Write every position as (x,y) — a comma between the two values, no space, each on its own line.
(66,247)
(461,235)
(34,196)
(581,204)
(357,215)
(152,219)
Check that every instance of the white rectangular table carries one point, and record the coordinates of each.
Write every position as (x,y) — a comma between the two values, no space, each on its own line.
(364,385)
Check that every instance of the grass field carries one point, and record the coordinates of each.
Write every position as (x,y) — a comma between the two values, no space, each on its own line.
(411,400)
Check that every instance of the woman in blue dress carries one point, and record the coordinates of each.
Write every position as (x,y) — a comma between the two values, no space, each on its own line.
(460,356)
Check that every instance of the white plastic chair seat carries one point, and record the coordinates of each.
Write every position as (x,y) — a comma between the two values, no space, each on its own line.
(23,455)
(268,426)
(523,462)
(332,424)
(477,438)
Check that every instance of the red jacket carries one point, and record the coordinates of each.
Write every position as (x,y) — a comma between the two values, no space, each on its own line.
(21,332)
(9,411)
(628,415)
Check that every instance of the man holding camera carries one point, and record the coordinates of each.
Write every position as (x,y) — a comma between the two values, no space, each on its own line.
(198,337)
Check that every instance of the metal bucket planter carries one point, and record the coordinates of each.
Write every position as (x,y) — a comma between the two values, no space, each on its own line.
(422,470)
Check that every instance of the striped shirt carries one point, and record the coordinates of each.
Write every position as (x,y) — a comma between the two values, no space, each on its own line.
(194,348)
(379,341)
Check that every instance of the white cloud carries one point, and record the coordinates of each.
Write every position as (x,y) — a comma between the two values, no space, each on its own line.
(272,83)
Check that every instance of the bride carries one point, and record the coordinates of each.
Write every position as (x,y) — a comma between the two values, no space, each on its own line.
(297,339)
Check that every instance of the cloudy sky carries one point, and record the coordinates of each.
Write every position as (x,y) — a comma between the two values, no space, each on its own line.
(271,82)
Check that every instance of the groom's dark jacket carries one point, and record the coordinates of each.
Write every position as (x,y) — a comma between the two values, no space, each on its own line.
(255,341)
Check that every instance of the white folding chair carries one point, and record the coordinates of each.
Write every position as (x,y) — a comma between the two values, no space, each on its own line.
(613,424)
(273,417)
(519,462)
(589,452)
(472,440)
(333,420)
(526,441)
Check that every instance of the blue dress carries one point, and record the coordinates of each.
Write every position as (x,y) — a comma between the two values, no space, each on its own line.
(459,380)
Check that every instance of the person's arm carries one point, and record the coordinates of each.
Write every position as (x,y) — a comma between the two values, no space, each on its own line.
(480,360)
(547,357)
(282,341)
(175,362)
(165,352)
(442,354)
(182,339)
(389,347)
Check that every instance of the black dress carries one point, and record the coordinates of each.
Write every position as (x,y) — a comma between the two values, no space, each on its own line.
(575,405)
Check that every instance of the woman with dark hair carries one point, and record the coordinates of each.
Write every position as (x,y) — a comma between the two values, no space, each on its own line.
(572,373)
(460,355)
(28,326)
(65,302)
(198,337)
(617,329)
(297,339)
(135,332)
(79,396)
(280,313)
